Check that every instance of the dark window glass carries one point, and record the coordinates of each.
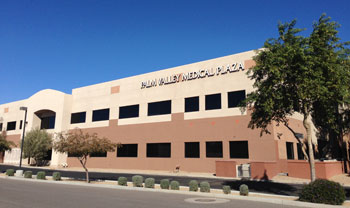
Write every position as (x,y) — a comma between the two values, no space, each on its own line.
(158,150)
(73,155)
(20,124)
(98,154)
(48,122)
(235,98)
(0,126)
(11,126)
(192,149)
(127,150)
(192,104)
(48,155)
(78,117)
(300,152)
(290,150)
(214,149)
(100,115)
(239,149)
(159,108)
(213,102)
(130,111)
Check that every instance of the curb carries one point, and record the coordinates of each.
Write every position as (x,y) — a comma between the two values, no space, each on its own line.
(223,196)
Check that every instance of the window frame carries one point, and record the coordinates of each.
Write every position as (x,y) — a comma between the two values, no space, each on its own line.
(121,108)
(80,117)
(230,98)
(94,119)
(153,105)
(215,155)
(241,155)
(13,124)
(290,156)
(188,103)
(149,155)
(189,155)
(211,106)
(123,156)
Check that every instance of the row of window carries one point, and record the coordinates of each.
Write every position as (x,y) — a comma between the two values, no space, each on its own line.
(46,123)
(11,125)
(238,149)
(212,102)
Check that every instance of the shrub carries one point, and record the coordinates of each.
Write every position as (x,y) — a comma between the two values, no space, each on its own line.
(122,181)
(243,190)
(164,184)
(41,175)
(323,191)
(193,185)
(56,176)
(204,186)
(174,185)
(149,182)
(137,181)
(10,172)
(28,174)
(226,189)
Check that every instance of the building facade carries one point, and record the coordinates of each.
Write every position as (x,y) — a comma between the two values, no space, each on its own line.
(186,116)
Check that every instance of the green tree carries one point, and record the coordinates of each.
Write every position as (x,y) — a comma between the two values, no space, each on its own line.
(290,76)
(331,114)
(5,145)
(36,145)
(81,145)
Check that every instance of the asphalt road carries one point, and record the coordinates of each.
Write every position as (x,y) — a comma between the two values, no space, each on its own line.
(23,194)
(254,186)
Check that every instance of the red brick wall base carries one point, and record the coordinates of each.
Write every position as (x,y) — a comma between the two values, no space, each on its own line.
(225,168)
(296,169)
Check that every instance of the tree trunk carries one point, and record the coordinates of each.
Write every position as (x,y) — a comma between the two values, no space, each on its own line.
(307,125)
(342,141)
(83,163)
(87,175)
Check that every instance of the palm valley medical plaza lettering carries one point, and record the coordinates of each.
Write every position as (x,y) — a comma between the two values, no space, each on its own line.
(203,73)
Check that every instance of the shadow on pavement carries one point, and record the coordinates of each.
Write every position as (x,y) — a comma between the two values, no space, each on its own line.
(265,186)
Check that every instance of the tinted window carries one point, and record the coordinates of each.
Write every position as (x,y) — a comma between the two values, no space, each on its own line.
(100,115)
(239,149)
(192,149)
(158,150)
(98,154)
(300,152)
(213,102)
(11,126)
(0,126)
(127,150)
(159,108)
(235,98)
(48,122)
(191,104)
(20,124)
(48,155)
(214,149)
(130,111)
(290,150)
(78,117)
(73,155)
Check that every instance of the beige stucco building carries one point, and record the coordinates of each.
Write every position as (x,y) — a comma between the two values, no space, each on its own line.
(186,116)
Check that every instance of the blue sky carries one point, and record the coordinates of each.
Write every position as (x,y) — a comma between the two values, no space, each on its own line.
(67,44)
